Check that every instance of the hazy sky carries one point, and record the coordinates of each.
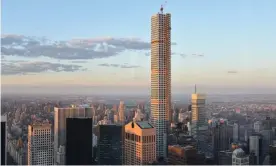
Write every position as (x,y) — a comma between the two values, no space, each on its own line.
(59,44)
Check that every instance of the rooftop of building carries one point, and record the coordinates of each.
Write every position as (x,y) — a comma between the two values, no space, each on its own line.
(108,124)
(181,150)
(181,146)
(255,134)
(198,96)
(186,138)
(239,153)
(144,125)
(273,144)
(40,124)
(229,152)
(73,107)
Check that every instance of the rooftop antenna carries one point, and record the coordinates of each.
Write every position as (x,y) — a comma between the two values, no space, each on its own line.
(162,7)
(195,88)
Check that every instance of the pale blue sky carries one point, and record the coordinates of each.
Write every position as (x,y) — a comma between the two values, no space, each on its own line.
(234,35)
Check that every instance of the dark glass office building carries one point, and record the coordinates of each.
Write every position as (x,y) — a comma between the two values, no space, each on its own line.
(3,143)
(272,154)
(110,144)
(79,148)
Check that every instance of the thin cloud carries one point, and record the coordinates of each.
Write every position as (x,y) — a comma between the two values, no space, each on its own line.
(232,72)
(183,55)
(79,61)
(76,49)
(27,68)
(125,66)
(129,66)
(198,55)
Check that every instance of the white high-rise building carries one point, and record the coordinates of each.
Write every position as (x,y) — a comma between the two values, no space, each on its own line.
(139,116)
(239,157)
(122,112)
(258,126)
(254,146)
(40,146)
(236,132)
(161,79)
(61,154)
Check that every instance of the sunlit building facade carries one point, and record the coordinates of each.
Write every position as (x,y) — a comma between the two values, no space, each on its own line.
(199,125)
(198,113)
(122,112)
(161,79)
(40,146)
(140,143)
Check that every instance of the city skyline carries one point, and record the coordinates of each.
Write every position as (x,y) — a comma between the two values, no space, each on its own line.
(221,46)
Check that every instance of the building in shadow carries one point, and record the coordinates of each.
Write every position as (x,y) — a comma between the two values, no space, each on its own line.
(79,141)
(110,144)
(3,140)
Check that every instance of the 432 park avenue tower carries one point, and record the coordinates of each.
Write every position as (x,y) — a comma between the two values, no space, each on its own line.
(161,79)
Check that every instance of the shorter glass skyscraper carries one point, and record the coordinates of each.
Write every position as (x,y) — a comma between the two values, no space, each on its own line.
(79,141)
(110,144)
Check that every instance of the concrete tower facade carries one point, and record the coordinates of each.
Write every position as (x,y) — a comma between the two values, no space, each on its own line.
(140,143)
(199,125)
(161,79)
(236,132)
(40,147)
(122,112)
(198,110)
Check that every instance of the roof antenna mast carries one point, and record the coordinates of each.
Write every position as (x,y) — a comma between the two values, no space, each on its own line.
(195,88)
(162,7)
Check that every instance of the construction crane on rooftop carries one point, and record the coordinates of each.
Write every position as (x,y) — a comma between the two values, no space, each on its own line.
(162,7)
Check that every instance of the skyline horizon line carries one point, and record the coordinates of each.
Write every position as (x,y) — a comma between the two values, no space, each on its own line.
(129,90)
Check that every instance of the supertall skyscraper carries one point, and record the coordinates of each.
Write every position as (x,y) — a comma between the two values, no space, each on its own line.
(161,79)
